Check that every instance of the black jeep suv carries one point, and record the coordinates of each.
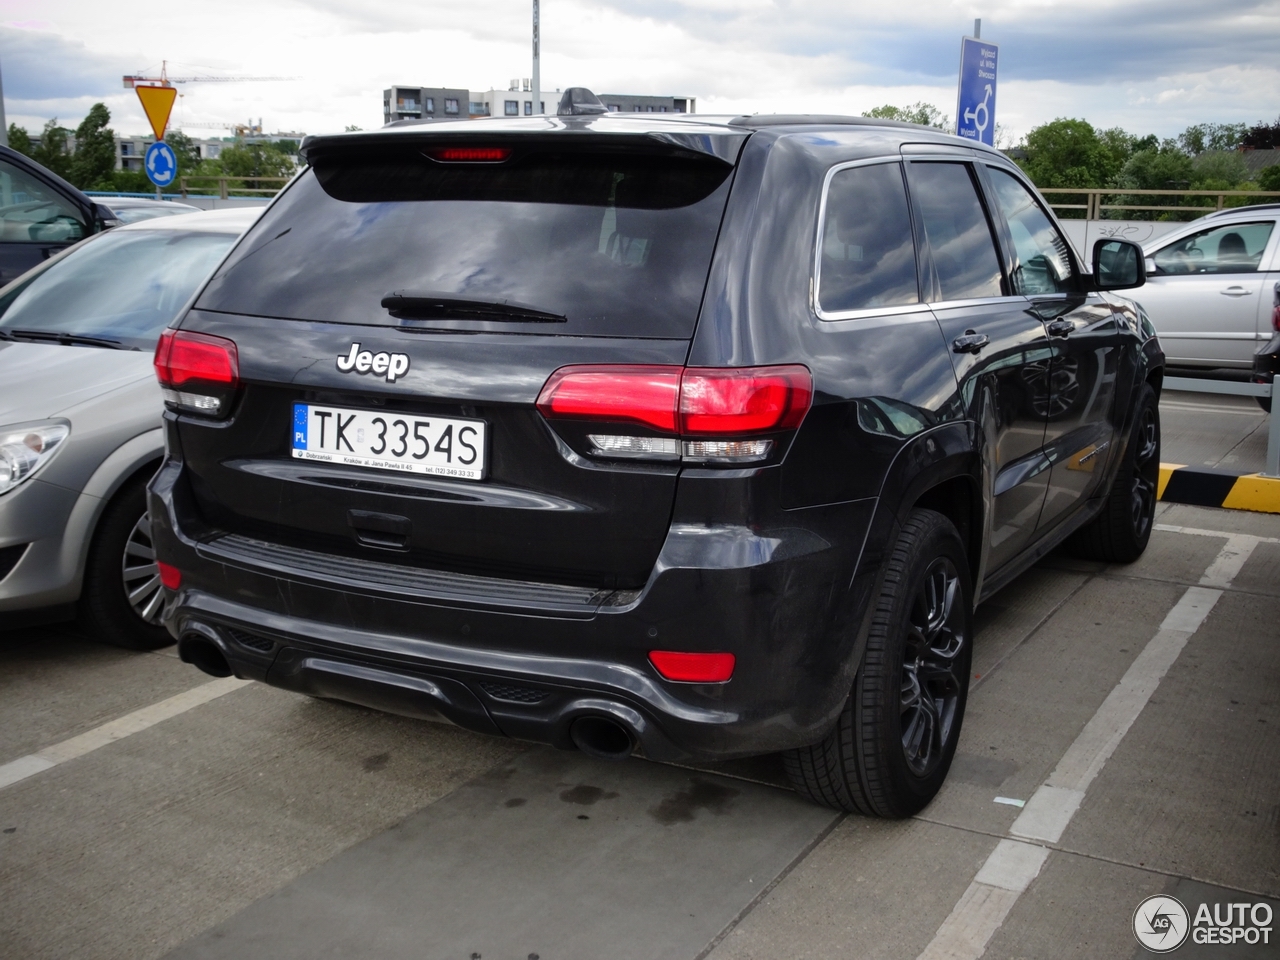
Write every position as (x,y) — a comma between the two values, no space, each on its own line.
(698,436)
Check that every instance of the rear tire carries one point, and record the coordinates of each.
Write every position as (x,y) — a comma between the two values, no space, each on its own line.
(1119,534)
(891,748)
(122,598)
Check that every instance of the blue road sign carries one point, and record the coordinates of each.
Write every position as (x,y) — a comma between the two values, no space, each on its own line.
(161,164)
(976,102)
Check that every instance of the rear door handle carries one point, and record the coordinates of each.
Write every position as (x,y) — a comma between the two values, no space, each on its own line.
(1235,292)
(1060,328)
(970,343)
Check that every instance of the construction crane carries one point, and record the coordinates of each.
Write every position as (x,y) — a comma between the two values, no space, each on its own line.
(164,80)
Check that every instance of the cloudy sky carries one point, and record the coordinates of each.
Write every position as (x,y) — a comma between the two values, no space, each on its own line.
(1151,66)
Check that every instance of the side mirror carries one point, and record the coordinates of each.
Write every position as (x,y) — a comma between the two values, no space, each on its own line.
(1150,264)
(1118,265)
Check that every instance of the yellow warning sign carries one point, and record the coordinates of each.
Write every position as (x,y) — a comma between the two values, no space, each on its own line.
(157,102)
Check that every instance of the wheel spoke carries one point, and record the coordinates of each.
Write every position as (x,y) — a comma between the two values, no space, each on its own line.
(931,670)
(141,570)
(151,612)
(135,549)
(137,596)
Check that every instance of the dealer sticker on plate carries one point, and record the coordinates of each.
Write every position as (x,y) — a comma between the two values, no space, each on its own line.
(390,440)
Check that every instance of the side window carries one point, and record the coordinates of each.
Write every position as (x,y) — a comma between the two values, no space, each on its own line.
(868,252)
(32,213)
(964,252)
(1043,264)
(1231,248)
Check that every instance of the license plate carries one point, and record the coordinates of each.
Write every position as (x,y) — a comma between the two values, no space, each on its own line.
(387,440)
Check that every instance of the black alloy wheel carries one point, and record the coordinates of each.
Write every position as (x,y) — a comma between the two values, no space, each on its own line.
(1121,531)
(893,743)
(931,690)
(1144,480)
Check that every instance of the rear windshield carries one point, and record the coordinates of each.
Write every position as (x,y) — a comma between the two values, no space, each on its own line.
(595,244)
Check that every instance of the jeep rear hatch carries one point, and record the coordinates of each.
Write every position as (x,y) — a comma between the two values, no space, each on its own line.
(474,280)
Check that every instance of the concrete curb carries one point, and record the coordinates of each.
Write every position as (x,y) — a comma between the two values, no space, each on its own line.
(1206,487)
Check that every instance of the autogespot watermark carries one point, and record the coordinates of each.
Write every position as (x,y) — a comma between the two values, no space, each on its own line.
(1162,924)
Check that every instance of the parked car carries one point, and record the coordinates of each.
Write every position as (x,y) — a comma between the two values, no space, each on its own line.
(80,421)
(133,209)
(697,435)
(1209,286)
(41,214)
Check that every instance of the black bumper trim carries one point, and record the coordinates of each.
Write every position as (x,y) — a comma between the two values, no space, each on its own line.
(390,578)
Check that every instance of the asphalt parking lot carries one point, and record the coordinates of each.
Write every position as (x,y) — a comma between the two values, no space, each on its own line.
(1120,742)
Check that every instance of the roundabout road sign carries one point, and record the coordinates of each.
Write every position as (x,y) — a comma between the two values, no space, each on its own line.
(161,164)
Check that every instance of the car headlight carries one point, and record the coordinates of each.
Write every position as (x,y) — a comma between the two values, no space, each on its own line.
(24,450)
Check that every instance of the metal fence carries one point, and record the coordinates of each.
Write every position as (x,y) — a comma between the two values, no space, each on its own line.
(1095,208)
(226,186)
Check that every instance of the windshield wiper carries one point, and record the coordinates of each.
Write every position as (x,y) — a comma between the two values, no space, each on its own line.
(406,305)
(66,339)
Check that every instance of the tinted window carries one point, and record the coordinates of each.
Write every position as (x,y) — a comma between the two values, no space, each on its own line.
(617,244)
(125,285)
(964,254)
(30,212)
(868,254)
(1231,248)
(1043,264)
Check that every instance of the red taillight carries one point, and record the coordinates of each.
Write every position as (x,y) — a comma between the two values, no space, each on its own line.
(471,154)
(693,401)
(183,356)
(170,575)
(616,394)
(693,667)
(726,402)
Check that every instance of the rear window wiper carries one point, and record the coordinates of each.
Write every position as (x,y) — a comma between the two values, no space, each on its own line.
(412,305)
(67,339)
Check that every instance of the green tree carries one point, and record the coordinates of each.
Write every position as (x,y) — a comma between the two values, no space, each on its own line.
(185,149)
(51,152)
(925,114)
(19,139)
(1069,153)
(1269,179)
(248,161)
(1219,170)
(1210,137)
(95,156)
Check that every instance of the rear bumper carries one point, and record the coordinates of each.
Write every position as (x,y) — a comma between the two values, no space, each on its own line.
(514,660)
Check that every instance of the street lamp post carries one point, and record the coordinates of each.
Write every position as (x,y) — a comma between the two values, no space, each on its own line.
(537,72)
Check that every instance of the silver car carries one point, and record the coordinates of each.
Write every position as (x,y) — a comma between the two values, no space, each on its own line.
(80,414)
(1210,287)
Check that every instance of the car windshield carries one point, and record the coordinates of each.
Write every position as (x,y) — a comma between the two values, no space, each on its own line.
(124,286)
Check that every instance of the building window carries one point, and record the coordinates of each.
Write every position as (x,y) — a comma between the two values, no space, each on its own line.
(479,109)
(637,109)
(451,105)
(613,108)
(511,108)
(542,106)
(430,104)
(648,109)
(662,109)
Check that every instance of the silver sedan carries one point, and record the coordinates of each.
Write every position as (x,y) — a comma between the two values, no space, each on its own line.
(80,414)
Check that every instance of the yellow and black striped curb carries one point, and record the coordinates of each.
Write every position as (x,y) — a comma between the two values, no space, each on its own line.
(1206,487)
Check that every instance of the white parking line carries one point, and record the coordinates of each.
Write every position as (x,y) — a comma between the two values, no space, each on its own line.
(1016,861)
(1221,534)
(131,723)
